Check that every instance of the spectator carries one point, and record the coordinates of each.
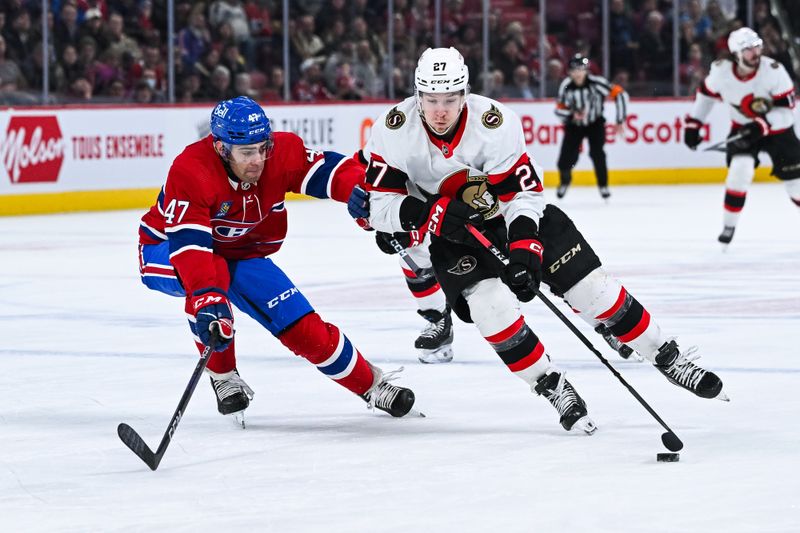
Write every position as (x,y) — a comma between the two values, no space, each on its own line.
(496,84)
(403,85)
(118,41)
(243,86)
(364,71)
(80,91)
(719,22)
(305,43)
(67,69)
(143,94)
(655,50)
(206,66)
(699,20)
(220,84)
(92,27)
(233,60)
(116,92)
(20,38)
(189,88)
(359,30)
(346,87)
(622,41)
(776,48)
(194,39)
(232,12)
(521,87)
(310,86)
(66,30)
(273,92)
(510,57)
(11,78)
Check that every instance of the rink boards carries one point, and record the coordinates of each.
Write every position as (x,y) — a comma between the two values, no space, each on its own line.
(116,157)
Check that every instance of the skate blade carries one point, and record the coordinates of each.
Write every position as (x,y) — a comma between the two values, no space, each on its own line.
(416,413)
(440,355)
(722,396)
(586,425)
(238,419)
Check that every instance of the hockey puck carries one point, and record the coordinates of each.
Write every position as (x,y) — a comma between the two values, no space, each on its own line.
(668,457)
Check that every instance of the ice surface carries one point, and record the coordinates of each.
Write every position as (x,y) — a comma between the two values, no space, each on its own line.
(86,346)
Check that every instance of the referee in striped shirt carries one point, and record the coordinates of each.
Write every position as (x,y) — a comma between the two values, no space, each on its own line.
(580,106)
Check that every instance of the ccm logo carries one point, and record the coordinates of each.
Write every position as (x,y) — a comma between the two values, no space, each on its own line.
(207,300)
(281,297)
(564,259)
(536,248)
(433,225)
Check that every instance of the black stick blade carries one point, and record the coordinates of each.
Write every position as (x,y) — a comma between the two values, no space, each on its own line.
(132,440)
(672,442)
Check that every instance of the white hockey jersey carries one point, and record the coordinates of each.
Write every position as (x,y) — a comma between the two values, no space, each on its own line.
(768,93)
(485,165)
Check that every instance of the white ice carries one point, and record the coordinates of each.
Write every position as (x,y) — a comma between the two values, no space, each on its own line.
(85,346)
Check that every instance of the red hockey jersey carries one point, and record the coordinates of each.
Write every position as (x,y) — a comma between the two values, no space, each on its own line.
(202,212)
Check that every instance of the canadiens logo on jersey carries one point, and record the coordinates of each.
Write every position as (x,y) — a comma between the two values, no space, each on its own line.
(493,118)
(395,119)
(473,190)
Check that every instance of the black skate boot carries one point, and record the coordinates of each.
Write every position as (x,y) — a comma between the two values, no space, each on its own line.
(618,346)
(727,234)
(605,194)
(680,370)
(562,190)
(435,343)
(397,401)
(562,395)
(233,394)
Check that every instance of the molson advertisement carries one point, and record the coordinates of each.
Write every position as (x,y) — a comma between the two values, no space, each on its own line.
(106,157)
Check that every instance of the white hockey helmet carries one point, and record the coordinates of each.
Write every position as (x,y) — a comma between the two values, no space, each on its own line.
(441,70)
(742,39)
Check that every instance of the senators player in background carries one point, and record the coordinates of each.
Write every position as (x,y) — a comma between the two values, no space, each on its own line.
(208,238)
(759,95)
(444,158)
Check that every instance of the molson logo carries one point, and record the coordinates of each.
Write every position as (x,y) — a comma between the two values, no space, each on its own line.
(33,149)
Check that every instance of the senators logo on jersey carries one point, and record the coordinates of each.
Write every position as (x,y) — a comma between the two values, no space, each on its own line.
(492,119)
(472,190)
(395,119)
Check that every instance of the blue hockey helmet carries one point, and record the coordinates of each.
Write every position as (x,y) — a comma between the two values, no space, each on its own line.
(240,121)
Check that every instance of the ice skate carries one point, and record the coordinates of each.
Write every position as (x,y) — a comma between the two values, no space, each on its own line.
(605,194)
(561,191)
(624,351)
(233,394)
(562,395)
(435,343)
(680,370)
(727,235)
(397,401)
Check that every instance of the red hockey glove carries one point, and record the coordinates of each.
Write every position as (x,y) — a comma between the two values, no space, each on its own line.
(447,218)
(211,308)
(691,132)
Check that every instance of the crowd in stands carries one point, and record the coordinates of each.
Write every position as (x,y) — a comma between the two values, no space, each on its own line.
(115,51)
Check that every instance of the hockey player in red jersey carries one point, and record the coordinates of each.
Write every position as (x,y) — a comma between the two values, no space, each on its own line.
(759,96)
(444,158)
(219,216)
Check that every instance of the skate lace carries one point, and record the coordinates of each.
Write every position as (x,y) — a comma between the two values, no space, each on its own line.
(433,329)
(383,394)
(684,371)
(563,396)
(232,385)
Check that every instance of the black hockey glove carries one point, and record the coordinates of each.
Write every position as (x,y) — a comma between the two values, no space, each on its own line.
(752,132)
(691,132)
(405,240)
(447,218)
(524,271)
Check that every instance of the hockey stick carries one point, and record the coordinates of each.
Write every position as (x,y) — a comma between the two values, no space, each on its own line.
(132,440)
(401,251)
(723,145)
(670,439)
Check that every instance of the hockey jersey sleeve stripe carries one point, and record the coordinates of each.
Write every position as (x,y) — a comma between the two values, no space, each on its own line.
(703,89)
(188,227)
(383,177)
(152,232)
(317,182)
(506,185)
(190,238)
(188,248)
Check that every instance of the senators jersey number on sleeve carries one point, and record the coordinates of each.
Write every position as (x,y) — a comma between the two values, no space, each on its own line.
(520,178)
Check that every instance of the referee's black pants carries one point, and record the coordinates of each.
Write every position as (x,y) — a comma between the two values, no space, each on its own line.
(570,148)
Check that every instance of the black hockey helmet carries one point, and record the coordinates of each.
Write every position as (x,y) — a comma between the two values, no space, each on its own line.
(578,61)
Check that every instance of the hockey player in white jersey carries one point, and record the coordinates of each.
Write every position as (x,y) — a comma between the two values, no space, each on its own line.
(759,96)
(444,158)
